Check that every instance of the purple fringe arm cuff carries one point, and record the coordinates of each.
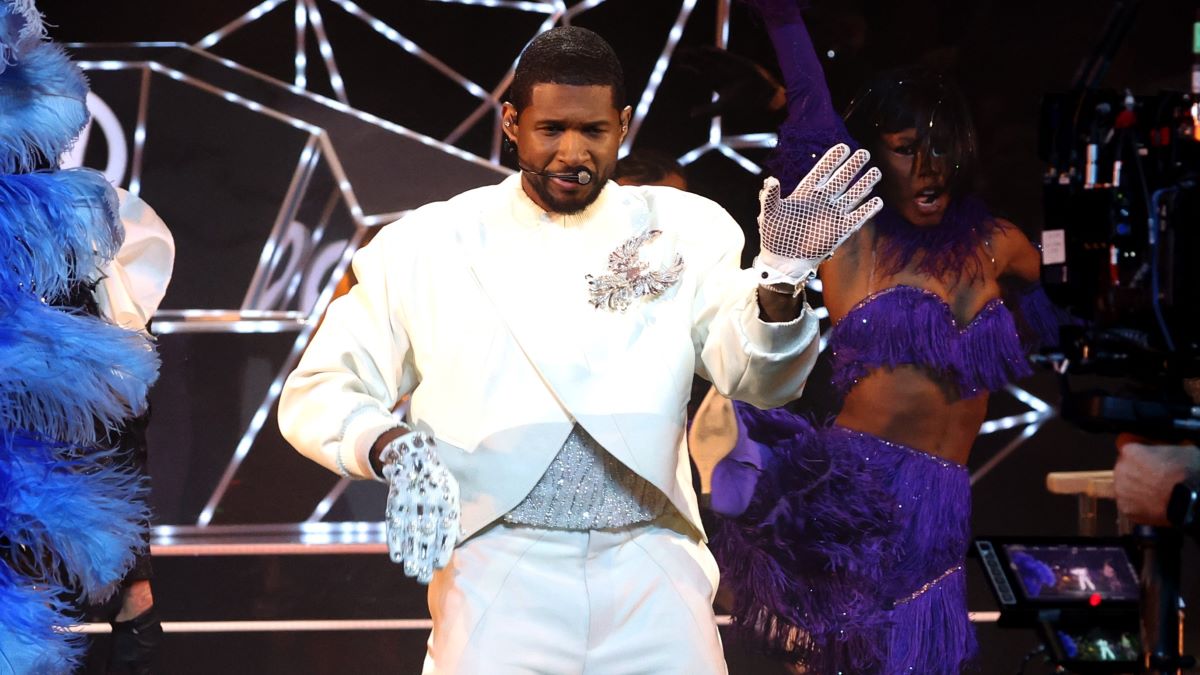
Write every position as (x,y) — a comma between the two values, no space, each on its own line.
(1038,319)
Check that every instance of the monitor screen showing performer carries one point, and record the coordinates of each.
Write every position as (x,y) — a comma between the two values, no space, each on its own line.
(1066,572)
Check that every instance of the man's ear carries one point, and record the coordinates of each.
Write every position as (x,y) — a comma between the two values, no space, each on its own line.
(626,116)
(508,121)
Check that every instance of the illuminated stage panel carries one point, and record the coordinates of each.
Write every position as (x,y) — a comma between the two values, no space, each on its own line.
(248,473)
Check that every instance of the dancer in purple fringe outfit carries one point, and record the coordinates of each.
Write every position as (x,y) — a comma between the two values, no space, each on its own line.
(844,545)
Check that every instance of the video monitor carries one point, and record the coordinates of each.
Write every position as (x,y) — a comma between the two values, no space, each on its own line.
(1098,644)
(1028,575)
(1070,572)
(1080,594)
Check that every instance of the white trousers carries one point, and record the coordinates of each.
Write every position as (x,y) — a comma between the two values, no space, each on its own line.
(521,600)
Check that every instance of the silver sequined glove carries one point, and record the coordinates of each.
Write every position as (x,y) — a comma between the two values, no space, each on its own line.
(422,516)
(801,231)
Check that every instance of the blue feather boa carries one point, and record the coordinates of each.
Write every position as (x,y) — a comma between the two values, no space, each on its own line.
(56,229)
(74,513)
(70,517)
(74,519)
(31,640)
(44,102)
(21,27)
(62,375)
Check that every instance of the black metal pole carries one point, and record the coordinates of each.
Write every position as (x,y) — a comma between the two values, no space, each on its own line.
(1161,551)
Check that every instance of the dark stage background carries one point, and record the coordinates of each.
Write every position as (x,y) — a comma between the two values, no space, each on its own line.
(218,173)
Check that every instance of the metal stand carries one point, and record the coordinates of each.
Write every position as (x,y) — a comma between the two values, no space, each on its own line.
(1089,487)
(1161,609)
(1162,613)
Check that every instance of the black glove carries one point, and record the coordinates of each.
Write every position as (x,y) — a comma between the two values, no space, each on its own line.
(134,643)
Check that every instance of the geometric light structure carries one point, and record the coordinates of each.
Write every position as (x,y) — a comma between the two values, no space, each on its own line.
(1030,422)
(308,17)
(268,189)
(717,139)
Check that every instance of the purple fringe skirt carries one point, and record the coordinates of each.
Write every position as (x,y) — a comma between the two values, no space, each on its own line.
(844,552)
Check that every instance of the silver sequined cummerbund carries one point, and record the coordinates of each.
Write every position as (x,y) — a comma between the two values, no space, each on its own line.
(585,488)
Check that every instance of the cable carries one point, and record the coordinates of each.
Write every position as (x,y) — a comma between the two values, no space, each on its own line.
(1155,217)
(1040,649)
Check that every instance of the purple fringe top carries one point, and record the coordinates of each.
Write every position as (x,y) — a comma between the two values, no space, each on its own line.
(908,325)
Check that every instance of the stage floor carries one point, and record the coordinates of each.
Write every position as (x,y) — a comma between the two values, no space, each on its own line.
(279,599)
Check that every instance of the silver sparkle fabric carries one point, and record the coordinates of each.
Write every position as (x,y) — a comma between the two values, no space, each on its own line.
(585,488)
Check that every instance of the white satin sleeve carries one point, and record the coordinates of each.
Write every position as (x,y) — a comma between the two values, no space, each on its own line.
(360,362)
(133,284)
(764,364)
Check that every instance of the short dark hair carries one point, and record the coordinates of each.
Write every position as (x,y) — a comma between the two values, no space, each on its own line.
(916,97)
(567,55)
(647,165)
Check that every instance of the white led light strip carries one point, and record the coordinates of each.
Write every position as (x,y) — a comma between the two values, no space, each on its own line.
(717,140)
(328,625)
(307,15)
(656,75)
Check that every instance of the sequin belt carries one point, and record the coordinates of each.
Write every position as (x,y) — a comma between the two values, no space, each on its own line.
(586,488)
(929,585)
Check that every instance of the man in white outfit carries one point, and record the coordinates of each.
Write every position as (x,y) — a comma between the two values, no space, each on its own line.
(547,329)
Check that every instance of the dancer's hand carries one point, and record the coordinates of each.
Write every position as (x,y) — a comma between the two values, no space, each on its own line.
(422,516)
(801,231)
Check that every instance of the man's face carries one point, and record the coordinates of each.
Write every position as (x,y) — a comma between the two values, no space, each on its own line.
(566,128)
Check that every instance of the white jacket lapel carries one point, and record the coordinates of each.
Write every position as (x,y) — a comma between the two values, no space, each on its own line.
(535,276)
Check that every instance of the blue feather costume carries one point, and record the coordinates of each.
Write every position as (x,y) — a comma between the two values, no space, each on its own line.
(70,519)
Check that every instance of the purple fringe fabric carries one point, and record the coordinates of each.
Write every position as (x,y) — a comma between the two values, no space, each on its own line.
(1038,319)
(812,125)
(947,251)
(909,325)
(848,556)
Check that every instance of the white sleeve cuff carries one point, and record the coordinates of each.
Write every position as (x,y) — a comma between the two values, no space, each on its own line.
(773,269)
(776,340)
(361,432)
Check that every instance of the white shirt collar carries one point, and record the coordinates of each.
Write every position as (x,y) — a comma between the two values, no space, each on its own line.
(527,213)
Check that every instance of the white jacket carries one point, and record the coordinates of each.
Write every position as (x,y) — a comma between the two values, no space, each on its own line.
(133,283)
(478,307)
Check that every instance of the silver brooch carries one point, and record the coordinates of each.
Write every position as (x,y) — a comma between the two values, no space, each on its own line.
(629,278)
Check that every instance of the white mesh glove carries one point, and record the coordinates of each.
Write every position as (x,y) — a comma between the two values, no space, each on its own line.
(422,506)
(800,232)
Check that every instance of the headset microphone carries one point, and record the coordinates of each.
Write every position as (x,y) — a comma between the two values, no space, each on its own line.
(582,176)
